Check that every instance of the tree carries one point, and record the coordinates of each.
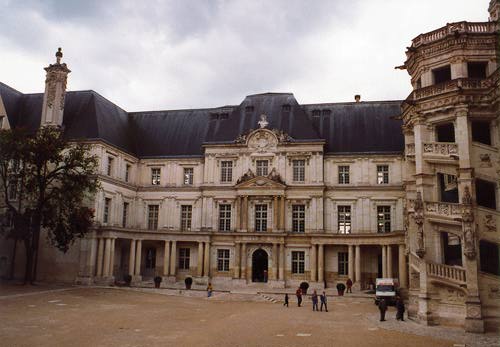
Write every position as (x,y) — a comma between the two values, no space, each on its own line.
(46,183)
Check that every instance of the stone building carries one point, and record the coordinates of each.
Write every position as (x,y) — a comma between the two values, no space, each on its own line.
(270,193)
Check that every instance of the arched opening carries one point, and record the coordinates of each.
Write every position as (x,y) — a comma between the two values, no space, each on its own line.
(259,266)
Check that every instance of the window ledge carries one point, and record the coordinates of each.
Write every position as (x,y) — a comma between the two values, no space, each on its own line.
(484,146)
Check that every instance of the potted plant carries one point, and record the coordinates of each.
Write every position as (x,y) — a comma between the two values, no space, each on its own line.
(157,281)
(127,279)
(188,281)
(340,288)
(304,286)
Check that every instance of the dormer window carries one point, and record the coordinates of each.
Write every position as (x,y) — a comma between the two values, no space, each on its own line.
(109,169)
(214,116)
(316,113)
(286,108)
(224,115)
(326,112)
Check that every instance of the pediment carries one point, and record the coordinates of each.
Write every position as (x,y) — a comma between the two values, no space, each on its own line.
(260,182)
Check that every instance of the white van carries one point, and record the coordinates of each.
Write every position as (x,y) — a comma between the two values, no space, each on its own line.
(386,288)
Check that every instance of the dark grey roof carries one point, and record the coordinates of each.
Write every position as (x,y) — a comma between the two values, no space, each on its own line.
(358,127)
(365,127)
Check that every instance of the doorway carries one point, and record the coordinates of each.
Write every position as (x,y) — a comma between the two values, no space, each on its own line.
(259,266)
(149,270)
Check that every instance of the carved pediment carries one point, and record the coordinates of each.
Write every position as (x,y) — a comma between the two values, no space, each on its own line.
(273,180)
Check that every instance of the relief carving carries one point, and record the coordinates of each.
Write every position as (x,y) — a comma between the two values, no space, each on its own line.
(490,223)
(468,225)
(418,216)
(485,160)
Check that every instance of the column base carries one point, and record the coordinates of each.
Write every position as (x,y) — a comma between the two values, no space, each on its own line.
(356,286)
(84,281)
(104,281)
(424,315)
(474,322)
(136,279)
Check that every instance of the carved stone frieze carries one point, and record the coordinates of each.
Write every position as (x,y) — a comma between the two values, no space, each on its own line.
(468,225)
(490,223)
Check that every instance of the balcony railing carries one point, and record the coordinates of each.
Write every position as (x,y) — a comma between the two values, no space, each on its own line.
(444,209)
(440,148)
(450,273)
(452,28)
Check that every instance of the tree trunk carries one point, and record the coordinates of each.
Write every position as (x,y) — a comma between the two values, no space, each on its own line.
(29,262)
(13,262)
(36,241)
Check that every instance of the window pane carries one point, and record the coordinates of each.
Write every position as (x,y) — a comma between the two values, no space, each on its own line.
(226,171)
(224,217)
(188,175)
(262,167)
(344,219)
(383,219)
(343,174)
(382,174)
(299,170)
(153,217)
(186,213)
(260,217)
(155,176)
(298,218)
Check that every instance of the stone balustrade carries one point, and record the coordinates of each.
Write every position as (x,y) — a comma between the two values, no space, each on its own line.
(440,148)
(445,209)
(451,29)
(450,273)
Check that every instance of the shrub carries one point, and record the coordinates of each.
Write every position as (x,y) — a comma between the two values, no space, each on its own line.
(304,286)
(340,287)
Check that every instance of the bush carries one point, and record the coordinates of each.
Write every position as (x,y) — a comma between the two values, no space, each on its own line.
(188,281)
(340,287)
(127,279)
(304,286)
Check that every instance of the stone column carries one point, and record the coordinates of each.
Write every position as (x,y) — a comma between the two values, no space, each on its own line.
(92,259)
(166,258)
(312,261)
(112,258)
(131,258)
(357,264)
(237,264)
(274,274)
(282,214)
(245,213)
(138,257)
(238,213)
(244,261)
(200,259)
(107,256)
(282,262)
(321,264)
(389,261)
(173,258)
(275,214)
(100,256)
(350,264)
(403,277)
(206,264)
(384,262)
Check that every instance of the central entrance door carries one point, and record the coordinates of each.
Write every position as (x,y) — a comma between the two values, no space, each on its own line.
(259,266)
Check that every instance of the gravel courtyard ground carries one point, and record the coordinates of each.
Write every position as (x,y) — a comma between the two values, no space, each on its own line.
(126,317)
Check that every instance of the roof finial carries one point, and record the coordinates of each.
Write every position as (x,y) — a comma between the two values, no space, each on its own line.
(263,121)
(59,55)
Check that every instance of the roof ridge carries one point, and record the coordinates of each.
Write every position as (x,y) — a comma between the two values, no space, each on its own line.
(354,102)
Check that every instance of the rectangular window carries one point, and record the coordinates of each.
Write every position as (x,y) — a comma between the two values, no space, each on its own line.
(298,262)
(260,217)
(13,186)
(262,167)
(125,214)
(223,260)
(107,205)
(344,219)
(299,170)
(188,176)
(343,262)
(344,174)
(489,255)
(485,194)
(186,214)
(226,171)
(477,69)
(382,174)
(110,166)
(184,254)
(442,74)
(224,217)
(127,172)
(298,218)
(155,176)
(153,217)
(481,132)
(383,219)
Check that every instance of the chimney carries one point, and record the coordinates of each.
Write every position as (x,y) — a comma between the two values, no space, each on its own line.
(357,97)
(55,90)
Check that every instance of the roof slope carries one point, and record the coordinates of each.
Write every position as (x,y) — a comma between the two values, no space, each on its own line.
(365,127)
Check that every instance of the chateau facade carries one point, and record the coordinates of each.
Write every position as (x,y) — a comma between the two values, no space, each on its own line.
(270,193)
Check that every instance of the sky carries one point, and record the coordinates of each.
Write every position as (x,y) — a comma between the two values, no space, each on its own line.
(166,54)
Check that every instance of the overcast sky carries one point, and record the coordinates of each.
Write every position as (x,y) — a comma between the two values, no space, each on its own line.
(159,54)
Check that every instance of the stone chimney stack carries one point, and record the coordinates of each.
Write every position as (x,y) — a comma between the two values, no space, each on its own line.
(494,10)
(55,90)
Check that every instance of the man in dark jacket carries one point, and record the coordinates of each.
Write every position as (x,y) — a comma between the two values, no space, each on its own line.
(298,294)
(400,306)
(322,297)
(382,307)
(314,298)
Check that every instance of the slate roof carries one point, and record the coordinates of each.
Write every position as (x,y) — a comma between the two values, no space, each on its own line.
(365,127)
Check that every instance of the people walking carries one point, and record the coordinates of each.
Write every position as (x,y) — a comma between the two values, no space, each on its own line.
(286,300)
(298,294)
(314,298)
(323,302)
(382,307)
(209,290)
(349,285)
(400,307)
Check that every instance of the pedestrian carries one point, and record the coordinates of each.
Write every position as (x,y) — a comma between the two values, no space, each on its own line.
(349,285)
(382,307)
(209,290)
(298,294)
(286,300)
(400,307)
(315,301)
(323,302)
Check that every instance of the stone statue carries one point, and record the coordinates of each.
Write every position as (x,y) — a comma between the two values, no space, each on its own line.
(263,121)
